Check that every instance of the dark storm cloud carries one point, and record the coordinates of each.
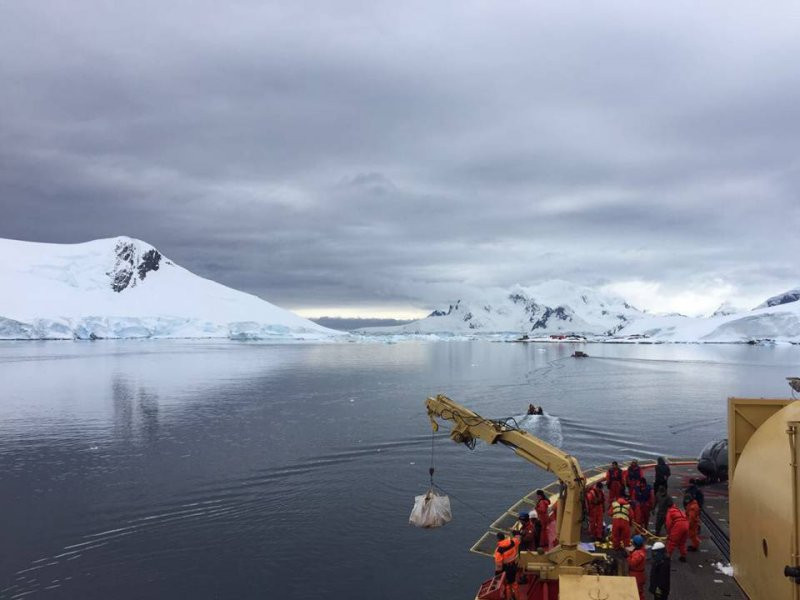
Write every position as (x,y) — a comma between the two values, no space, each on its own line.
(346,154)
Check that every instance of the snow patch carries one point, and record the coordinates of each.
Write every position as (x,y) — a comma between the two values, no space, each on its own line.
(723,568)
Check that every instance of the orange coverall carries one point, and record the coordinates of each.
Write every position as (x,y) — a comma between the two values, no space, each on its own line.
(644,504)
(620,513)
(636,565)
(614,483)
(541,514)
(632,476)
(677,531)
(595,504)
(693,514)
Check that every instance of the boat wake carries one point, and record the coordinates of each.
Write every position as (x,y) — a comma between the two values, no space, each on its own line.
(545,427)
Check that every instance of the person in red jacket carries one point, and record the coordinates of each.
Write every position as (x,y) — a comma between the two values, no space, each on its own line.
(527,531)
(595,507)
(677,530)
(637,561)
(614,482)
(542,506)
(644,502)
(632,476)
(693,516)
(634,508)
(620,513)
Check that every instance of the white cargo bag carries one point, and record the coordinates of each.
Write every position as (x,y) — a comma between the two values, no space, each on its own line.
(430,510)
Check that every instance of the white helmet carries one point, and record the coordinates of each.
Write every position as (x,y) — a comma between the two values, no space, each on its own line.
(658,546)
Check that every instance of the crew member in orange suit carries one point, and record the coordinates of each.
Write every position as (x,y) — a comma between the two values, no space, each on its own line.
(677,530)
(693,516)
(632,476)
(644,502)
(637,562)
(542,506)
(505,561)
(620,513)
(595,507)
(614,482)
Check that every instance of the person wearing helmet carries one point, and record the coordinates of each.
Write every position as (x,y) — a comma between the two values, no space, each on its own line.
(659,572)
(636,564)
(528,531)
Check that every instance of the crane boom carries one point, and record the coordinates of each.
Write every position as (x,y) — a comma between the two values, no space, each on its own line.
(469,426)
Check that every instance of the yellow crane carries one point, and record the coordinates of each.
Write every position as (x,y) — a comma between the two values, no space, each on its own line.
(566,562)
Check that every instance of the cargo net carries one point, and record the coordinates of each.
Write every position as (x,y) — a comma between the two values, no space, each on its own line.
(430,510)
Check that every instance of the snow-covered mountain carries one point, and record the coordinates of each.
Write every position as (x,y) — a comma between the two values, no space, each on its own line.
(776,319)
(552,307)
(124,288)
(559,307)
(725,309)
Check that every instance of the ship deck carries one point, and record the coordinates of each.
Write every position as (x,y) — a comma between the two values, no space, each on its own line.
(699,577)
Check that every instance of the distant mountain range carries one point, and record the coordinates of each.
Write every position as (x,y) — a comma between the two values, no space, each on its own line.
(125,288)
(555,309)
(548,308)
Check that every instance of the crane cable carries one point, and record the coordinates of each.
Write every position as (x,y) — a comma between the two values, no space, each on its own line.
(432,467)
(431,470)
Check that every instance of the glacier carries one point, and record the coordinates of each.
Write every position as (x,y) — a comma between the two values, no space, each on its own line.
(122,287)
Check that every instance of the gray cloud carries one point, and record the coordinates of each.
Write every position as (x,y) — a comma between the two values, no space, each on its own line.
(341,154)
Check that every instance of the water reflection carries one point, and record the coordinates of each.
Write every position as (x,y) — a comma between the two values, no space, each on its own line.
(135,411)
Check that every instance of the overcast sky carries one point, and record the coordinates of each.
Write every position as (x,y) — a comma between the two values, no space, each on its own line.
(382,158)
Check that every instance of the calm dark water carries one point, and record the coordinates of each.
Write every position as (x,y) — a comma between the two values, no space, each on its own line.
(144,469)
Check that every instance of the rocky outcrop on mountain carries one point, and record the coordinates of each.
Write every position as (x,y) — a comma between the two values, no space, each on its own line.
(784,298)
(132,265)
